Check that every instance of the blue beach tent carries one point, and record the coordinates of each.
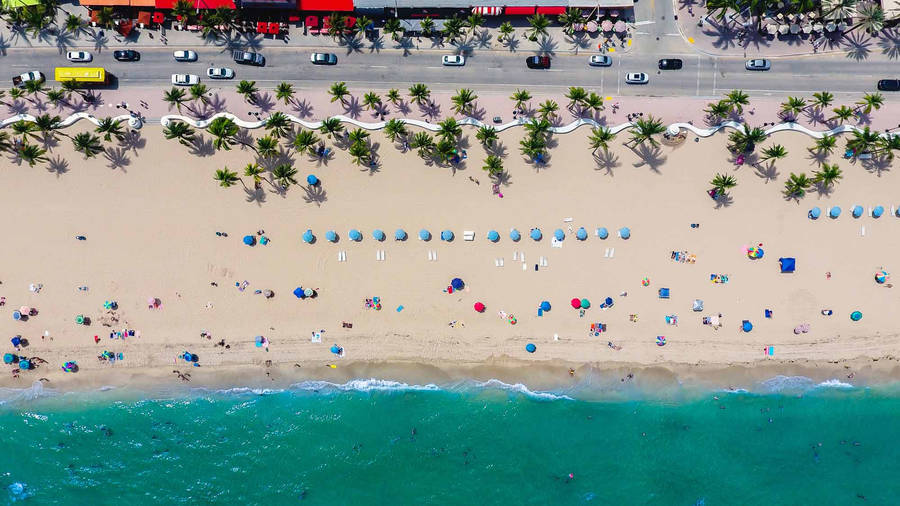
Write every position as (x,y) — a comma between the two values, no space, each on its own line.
(788,264)
(814,213)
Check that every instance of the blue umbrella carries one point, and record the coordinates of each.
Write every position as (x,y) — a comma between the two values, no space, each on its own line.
(354,235)
(457,284)
(581,234)
(493,236)
(298,292)
(530,348)
(515,235)
(424,235)
(331,236)
(186,357)
(312,180)
(24,365)
(400,235)
(17,315)
(857,211)
(559,234)
(447,235)
(378,234)
(259,341)
(9,358)
(249,240)
(308,236)
(536,234)
(878,211)
(746,326)
(814,213)
(608,301)
(16,341)
(336,349)
(624,232)
(545,306)
(602,233)
(835,212)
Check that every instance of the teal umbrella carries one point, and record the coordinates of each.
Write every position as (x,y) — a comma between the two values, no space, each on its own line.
(308,236)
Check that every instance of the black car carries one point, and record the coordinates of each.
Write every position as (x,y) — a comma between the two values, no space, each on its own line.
(126,55)
(670,64)
(889,85)
(538,62)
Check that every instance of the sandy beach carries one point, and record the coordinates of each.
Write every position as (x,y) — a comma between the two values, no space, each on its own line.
(150,226)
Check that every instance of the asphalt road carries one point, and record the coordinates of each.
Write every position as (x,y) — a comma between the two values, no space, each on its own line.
(701,75)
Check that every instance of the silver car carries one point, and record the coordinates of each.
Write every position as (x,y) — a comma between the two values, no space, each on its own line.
(323,59)
(185,55)
(219,73)
(758,64)
(637,78)
(600,60)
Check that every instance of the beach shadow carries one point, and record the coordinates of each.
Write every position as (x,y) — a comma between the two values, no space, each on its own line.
(890,43)
(724,200)
(497,149)
(265,102)
(403,107)
(857,46)
(303,108)
(353,108)
(723,36)
(607,161)
(768,172)
(201,146)
(878,164)
(58,165)
(255,195)
(824,191)
(132,141)
(547,46)
(17,107)
(650,156)
(117,158)
(315,195)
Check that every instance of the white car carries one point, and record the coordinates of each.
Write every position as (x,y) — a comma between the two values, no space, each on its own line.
(600,60)
(183,55)
(220,73)
(453,60)
(79,56)
(323,59)
(758,64)
(637,78)
(185,79)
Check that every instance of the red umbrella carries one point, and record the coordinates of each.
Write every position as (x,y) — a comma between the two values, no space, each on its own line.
(479,307)
(576,303)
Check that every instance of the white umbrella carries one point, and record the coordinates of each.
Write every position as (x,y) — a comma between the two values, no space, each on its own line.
(817,27)
(842,26)
(830,27)
(807,28)
(783,29)
(795,29)
(772,29)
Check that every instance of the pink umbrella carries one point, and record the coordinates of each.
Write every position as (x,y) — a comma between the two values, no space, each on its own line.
(25,310)
(591,26)
(620,26)
(606,25)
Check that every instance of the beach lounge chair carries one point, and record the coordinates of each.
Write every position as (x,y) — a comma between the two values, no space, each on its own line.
(697,305)
(468,235)
(788,264)
(672,319)
(663,293)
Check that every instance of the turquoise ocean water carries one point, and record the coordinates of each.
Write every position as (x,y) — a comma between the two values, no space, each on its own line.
(380,442)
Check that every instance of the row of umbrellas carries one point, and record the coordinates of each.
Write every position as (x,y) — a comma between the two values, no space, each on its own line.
(856,212)
(794,28)
(447,235)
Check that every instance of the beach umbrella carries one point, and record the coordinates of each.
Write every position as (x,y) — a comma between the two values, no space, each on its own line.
(581,234)
(259,341)
(186,357)
(457,284)
(354,235)
(515,235)
(298,292)
(16,341)
(378,235)
(24,365)
(331,236)
(9,358)
(493,236)
(530,348)
(585,303)
(447,235)
(795,28)
(194,357)
(400,235)
(312,180)
(336,349)
(545,306)
(857,211)
(591,26)
(424,235)
(746,326)
(576,303)
(856,316)
(606,25)
(624,232)
(881,277)
(308,236)
(835,212)
(479,307)
(16,315)
(308,292)
(602,233)
(536,234)
(79,319)
(268,293)
(878,211)
(814,213)
(249,240)
(559,235)
(619,26)
(772,28)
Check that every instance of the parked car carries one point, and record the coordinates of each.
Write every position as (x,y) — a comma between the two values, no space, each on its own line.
(79,56)
(637,78)
(889,85)
(126,55)
(538,62)
(185,55)
(670,64)
(21,79)
(323,58)
(453,60)
(185,79)
(219,73)
(600,60)
(248,58)
(758,64)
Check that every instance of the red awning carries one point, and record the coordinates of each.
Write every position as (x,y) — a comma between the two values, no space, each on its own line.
(326,5)
(487,11)
(260,27)
(274,29)
(144,17)
(519,11)
(165,4)
(312,22)
(213,4)
(551,10)
(349,22)
(125,27)
(158,17)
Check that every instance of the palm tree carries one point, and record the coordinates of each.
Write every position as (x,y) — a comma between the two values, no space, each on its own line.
(5,142)
(88,144)
(462,101)
(453,28)
(838,9)
(198,92)
(548,108)
(493,165)
(719,8)
(594,102)
(184,10)
(267,146)
(331,127)
(745,141)
(248,90)
(110,128)
(888,144)
(538,127)
(825,145)
(223,130)
(34,87)
(569,19)
(69,86)
(47,124)
(737,99)
(26,129)
(645,129)
(795,187)
(822,99)
(871,18)
(842,114)
(393,94)
(600,138)
(105,17)
(392,26)
(576,96)
(285,174)
(225,177)
(254,171)
(474,21)
(32,154)
(773,152)
(284,92)
(870,101)
(506,31)
(395,128)
(449,129)
(419,92)
(74,24)
(723,182)
(338,91)
(423,142)
(539,24)
(305,140)
(444,149)
(427,27)
(357,135)
(718,110)
(175,96)
(181,131)
(360,152)
(828,175)
(371,100)
(336,23)
(487,135)
(55,96)
(863,140)
(533,146)
(520,97)
(792,107)
(279,124)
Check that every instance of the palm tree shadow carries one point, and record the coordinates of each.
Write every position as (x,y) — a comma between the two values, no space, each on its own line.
(724,200)
(352,107)
(132,141)
(17,107)
(824,190)
(768,172)
(117,158)
(857,45)
(354,44)
(4,45)
(606,160)
(303,108)
(264,101)
(497,149)
(818,157)
(403,107)
(322,160)
(723,34)
(503,179)
(405,44)
(244,138)
(257,195)
(430,109)
(200,146)
(49,142)
(547,46)
(651,156)
(512,43)
(890,43)
(58,165)
(816,116)
(216,102)
(100,41)
(376,45)
(63,42)
(578,41)
(483,38)
(314,194)
(878,164)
